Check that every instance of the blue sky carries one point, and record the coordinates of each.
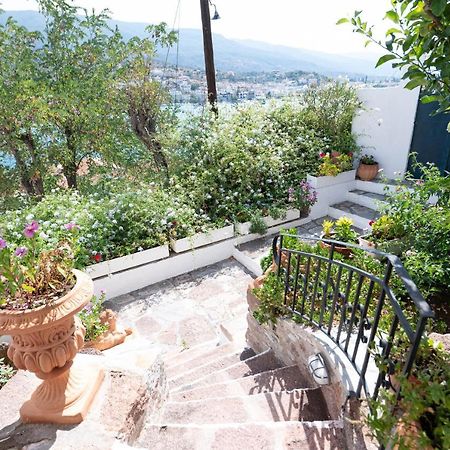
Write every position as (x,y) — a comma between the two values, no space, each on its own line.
(295,23)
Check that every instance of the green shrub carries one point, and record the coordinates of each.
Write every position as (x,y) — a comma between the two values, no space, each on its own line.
(425,401)
(109,225)
(90,317)
(6,372)
(251,156)
(257,224)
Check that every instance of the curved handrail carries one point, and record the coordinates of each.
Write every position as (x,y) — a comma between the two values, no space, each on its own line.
(422,305)
(393,263)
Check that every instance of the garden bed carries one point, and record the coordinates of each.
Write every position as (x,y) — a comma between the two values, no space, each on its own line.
(325,181)
(243,229)
(202,239)
(128,261)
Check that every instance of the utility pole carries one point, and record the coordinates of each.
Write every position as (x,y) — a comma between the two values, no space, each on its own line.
(209,55)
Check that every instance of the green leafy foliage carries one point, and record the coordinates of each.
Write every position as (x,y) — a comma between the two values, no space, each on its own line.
(124,220)
(257,224)
(6,372)
(270,298)
(419,44)
(334,163)
(423,413)
(90,317)
(250,156)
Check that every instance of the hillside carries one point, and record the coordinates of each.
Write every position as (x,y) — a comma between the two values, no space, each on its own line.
(237,55)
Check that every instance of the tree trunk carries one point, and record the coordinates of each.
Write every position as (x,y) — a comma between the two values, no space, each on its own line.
(36,178)
(144,127)
(70,165)
(70,172)
(31,183)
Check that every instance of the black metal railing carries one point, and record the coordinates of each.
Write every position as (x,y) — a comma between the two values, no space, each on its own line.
(356,309)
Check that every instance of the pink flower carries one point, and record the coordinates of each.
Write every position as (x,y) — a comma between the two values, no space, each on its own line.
(419,182)
(71,226)
(31,229)
(21,251)
(371,223)
(321,155)
(2,244)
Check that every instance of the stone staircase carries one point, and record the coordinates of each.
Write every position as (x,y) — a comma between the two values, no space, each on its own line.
(224,396)
(362,204)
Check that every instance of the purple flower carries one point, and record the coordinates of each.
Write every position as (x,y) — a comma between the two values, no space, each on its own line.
(71,226)
(31,229)
(2,244)
(21,251)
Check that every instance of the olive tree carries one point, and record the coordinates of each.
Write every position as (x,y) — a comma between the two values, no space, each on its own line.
(21,106)
(146,97)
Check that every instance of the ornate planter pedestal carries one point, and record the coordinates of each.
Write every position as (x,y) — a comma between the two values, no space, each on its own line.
(45,341)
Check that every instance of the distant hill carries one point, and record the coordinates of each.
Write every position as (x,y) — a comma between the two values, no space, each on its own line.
(237,55)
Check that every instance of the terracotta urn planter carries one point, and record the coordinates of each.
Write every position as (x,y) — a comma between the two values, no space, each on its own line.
(367,172)
(45,341)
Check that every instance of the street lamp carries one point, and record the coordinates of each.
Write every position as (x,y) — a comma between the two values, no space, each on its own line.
(216,14)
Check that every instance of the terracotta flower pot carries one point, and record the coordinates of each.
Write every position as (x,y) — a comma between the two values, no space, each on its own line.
(346,251)
(112,336)
(304,212)
(45,341)
(367,172)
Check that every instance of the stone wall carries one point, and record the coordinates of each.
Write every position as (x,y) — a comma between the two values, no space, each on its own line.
(294,344)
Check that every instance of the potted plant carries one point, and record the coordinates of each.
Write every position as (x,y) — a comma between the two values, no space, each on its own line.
(334,168)
(304,197)
(367,169)
(341,230)
(386,235)
(40,295)
(101,326)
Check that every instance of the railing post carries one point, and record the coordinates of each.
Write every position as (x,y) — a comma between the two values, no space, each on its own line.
(387,277)
(414,346)
(327,282)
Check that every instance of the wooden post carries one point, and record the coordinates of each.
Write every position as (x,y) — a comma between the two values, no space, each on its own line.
(209,55)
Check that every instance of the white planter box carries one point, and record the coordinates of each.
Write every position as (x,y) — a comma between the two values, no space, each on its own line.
(291,214)
(128,261)
(201,239)
(343,177)
(243,228)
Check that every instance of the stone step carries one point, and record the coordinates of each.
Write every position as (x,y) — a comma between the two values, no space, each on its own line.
(298,404)
(376,187)
(361,215)
(201,359)
(368,199)
(186,354)
(210,367)
(257,364)
(285,379)
(235,329)
(250,436)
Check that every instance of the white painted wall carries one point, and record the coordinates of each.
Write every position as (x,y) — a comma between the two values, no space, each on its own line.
(385,126)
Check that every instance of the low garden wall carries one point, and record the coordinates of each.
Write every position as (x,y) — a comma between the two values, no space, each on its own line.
(294,344)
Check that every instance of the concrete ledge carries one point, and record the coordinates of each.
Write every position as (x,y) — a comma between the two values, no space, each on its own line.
(117,414)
